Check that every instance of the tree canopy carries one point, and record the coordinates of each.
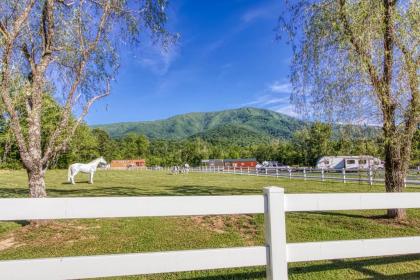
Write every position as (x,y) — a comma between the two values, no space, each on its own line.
(360,61)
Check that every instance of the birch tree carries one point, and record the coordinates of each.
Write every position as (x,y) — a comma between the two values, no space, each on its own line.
(358,61)
(69,50)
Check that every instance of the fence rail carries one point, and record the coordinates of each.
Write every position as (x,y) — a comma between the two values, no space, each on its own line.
(344,175)
(275,254)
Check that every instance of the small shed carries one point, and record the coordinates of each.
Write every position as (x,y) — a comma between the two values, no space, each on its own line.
(128,164)
(240,162)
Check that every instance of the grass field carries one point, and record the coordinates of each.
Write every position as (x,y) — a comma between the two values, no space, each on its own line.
(106,236)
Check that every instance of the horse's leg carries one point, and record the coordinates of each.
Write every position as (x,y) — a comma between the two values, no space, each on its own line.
(73,174)
(91,178)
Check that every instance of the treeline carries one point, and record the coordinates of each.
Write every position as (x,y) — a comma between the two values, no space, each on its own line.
(305,147)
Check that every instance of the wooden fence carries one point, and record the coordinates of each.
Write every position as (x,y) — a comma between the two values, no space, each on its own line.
(275,255)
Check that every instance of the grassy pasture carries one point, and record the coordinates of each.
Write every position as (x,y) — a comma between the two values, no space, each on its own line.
(107,236)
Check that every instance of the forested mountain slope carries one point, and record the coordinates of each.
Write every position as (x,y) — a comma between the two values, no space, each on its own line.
(259,122)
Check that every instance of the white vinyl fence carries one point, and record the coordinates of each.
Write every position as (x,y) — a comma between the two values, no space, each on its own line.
(274,255)
(344,175)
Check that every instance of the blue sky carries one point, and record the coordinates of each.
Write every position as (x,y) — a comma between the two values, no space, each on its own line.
(227,57)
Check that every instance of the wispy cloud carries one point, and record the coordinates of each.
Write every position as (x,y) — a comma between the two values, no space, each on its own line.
(278,87)
(225,69)
(157,60)
(276,97)
(287,110)
(245,20)
(265,100)
(264,10)
(255,13)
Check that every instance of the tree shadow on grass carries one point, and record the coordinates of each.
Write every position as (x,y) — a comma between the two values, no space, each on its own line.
(234,276)
(84,191)
(361,265)
(342,214)
(412,221)
(13,192)
(212,190)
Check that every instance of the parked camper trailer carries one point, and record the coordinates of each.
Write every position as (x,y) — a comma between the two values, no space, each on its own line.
(349,162)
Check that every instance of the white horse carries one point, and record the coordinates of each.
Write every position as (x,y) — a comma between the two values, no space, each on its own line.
(84,168)
(185,169)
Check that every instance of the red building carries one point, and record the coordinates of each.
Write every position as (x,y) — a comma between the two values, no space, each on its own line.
(128,163)
(240,162)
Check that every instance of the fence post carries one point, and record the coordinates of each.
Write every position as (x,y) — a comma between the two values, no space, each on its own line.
(275,233)
(322,174)
(344,175)
(248,170)
(290,173)
(277,172)
(234,170)
(370,176)
(266,171)
(304,173)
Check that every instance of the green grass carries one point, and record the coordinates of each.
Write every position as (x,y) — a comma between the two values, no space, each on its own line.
(107,236)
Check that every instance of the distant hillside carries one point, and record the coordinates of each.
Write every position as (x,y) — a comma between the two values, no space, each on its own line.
(245,123)
(233,134)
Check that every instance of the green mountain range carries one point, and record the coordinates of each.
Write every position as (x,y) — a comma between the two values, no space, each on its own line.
(244,125)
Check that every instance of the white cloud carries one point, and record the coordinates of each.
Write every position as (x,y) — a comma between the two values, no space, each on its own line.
(278,87)
(287,110)
(266,100)
(276,97)
(157,60)
(253,14)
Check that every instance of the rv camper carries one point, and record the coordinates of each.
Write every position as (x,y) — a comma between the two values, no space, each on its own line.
(349,162)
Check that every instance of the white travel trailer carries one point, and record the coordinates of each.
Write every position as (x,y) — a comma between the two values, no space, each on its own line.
(349,162)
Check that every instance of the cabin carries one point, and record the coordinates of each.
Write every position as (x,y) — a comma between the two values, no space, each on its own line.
(240,162)
(128,164)
(349,162)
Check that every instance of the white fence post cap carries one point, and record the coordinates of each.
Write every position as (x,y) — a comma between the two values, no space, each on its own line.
(273,189)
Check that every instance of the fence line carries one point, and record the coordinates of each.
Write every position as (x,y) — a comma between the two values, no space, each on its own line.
(276,254)
(343,175)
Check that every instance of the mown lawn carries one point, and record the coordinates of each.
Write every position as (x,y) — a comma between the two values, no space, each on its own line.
(105,236)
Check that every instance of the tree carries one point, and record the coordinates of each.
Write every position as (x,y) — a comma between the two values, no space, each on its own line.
(106,146)
(68,49)
(359,60)
(416,149)
(134,146)
(313,142)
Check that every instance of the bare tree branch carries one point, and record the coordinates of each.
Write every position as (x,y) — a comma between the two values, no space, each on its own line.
(5,82)
(59,147)
(366,58)
(66,113)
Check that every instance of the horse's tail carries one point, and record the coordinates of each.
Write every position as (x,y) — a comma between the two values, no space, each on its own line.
(69,174)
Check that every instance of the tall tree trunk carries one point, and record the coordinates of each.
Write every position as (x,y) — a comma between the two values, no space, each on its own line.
(36,178)
(395,173)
